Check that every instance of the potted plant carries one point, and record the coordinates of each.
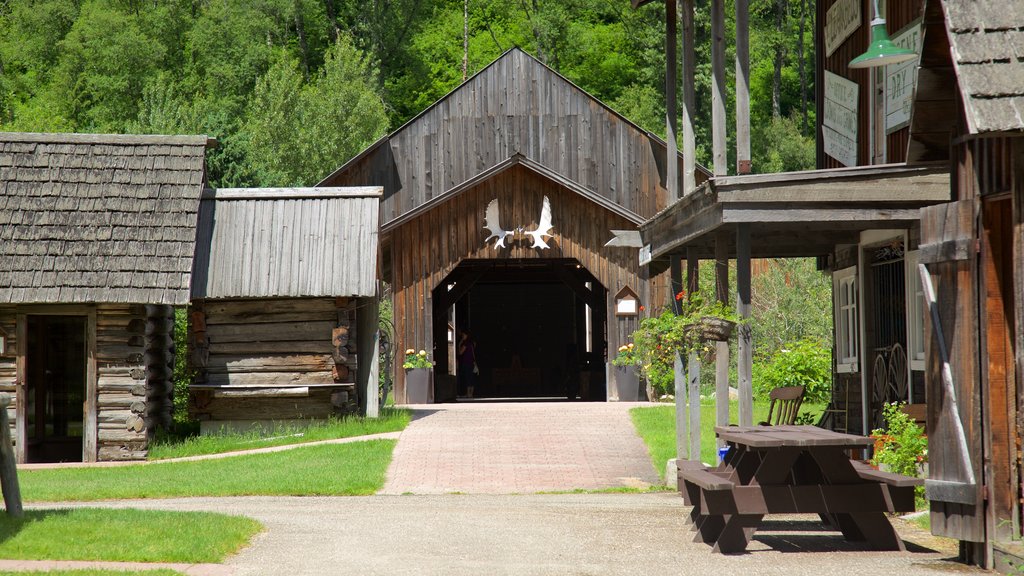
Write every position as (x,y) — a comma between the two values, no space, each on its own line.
(626,374)
(418,373)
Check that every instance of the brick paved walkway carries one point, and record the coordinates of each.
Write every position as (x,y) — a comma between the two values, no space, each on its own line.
(521,447)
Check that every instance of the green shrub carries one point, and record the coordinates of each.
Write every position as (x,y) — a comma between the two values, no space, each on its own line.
(804,363)
(902,446)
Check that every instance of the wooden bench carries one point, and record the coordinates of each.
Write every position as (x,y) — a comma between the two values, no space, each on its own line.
(900,487)
(694,477)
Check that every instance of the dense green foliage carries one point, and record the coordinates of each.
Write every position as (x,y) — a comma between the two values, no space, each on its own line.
(124,535)
(803,363)
(293,88)
(902,446)
(351,469)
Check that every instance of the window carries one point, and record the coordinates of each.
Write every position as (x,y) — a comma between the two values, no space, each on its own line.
(844,290)
(915,314)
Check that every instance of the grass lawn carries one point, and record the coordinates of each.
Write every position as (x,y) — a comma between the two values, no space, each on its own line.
(123,535)
(390,420)
(327,469)
(657,426)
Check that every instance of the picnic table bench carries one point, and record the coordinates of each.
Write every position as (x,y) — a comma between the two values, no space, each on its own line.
(792,469)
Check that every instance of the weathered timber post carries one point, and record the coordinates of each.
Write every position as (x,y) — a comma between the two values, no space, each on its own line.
(689,99)
(745,341)
(678,373)
(718,132)
(671,112)
(693,362)
(8,464)
(742,87)
(722,348)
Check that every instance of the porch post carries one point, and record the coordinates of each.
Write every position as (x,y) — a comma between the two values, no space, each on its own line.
(671,113)
(689,68)
(745,348)
(742,87)
(678,375)
(693,362)
(722,348)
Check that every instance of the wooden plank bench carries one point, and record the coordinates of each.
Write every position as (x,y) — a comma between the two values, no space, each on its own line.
(900,487)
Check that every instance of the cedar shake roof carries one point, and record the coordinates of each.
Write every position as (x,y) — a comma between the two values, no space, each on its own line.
(90,218)
(291,242)
(987,41)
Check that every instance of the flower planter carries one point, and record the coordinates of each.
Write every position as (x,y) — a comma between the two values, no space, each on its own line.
(418,385)
(712,329)
(626,384)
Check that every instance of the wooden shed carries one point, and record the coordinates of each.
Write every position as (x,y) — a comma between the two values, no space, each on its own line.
(515,149)
(97,234)
(283,321)
(973,251)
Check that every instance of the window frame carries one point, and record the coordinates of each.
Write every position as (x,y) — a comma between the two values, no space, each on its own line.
(916,309)
(846,319)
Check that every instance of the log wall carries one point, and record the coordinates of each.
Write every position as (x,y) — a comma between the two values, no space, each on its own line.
(272,359)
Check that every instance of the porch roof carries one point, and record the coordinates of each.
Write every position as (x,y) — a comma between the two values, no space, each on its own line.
(797,214)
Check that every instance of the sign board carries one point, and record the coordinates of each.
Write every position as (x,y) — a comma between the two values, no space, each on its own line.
(841,20)
(900,79)
(839,125)
(645,255)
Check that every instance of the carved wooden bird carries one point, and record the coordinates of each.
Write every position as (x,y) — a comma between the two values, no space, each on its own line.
(543,228)
(492,225)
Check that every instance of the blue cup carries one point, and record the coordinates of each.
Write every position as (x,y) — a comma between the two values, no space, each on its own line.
(722,452)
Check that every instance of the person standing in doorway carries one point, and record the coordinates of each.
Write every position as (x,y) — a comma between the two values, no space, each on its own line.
(467,369)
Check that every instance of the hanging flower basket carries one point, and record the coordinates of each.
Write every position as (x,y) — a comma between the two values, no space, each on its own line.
(711,329)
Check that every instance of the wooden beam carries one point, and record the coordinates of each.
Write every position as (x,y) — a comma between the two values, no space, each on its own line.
(722,348)
(718,133)
(742,87)
(689,69)
(671,113)
(745,350)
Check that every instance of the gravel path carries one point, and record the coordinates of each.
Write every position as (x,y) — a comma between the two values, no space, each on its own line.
(571,534)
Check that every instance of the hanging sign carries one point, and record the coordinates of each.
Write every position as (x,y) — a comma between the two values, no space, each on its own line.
(841,20)
(900,79)
(839,125)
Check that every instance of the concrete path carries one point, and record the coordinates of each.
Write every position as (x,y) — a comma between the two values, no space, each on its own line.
(518,447)
(540,534)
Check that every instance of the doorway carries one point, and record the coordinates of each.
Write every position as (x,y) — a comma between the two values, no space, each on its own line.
(539,327)
(56,368)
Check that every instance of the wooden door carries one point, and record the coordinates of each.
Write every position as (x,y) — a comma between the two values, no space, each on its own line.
(949,251)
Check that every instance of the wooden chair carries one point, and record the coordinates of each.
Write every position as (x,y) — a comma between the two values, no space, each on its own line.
(788,399)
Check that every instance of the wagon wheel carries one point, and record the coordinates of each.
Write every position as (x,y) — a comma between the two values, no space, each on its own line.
(896,389)
(879,377)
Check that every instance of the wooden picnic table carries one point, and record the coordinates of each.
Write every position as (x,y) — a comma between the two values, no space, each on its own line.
(793,469)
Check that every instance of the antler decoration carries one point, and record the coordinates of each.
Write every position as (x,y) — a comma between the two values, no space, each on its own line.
(544,227)
(492,225)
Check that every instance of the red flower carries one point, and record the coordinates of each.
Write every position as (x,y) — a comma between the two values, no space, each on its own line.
(641,307)
(680,295)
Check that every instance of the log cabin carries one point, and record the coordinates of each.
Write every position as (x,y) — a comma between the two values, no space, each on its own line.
(498,216)
(283,321)
(97,234)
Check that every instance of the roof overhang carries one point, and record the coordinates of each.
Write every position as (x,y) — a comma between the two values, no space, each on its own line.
(796,214)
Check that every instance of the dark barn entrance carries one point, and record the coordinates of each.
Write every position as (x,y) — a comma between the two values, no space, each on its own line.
(539,325)
(56,366)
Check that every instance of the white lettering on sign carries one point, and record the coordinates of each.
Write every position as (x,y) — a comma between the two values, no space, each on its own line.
(839,125)
(900,79)
(839,146)
(841,20)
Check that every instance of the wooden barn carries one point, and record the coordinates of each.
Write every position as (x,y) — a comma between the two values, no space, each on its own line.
(499,200)
(97,234)
(283,321)
(972,118)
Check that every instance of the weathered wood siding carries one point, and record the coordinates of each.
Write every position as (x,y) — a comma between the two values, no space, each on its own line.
(897,15)
(427,248)
(514,106)
(273,359)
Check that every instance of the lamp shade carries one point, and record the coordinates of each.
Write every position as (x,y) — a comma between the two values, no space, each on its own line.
(881,51)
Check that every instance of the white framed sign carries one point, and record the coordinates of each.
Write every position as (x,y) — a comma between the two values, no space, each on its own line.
(839,125)
(900,79)
(841,20)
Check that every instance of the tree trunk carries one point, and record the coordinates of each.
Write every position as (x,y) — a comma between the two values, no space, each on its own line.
(300,29)
(332,18)
(780,12)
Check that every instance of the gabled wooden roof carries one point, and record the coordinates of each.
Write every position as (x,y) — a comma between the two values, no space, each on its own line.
(287,242)
(98,218)
(514,108)
(987,41)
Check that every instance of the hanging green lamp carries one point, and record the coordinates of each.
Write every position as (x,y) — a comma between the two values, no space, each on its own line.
(881,51)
